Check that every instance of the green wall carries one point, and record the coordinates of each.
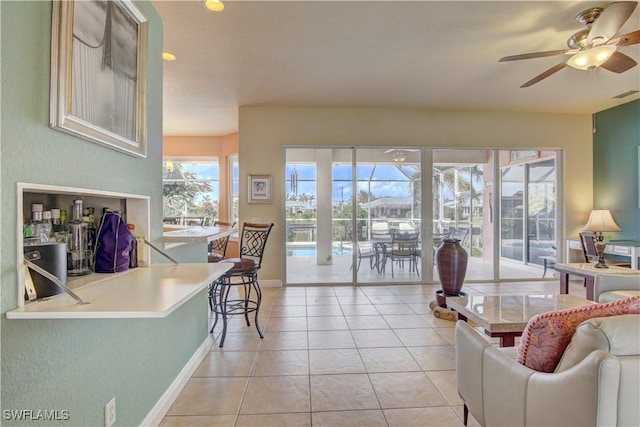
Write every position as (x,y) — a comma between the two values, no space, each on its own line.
(79,365)
(615,166)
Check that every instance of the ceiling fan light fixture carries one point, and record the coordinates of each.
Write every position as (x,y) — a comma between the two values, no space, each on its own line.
(591,58)
(214,5)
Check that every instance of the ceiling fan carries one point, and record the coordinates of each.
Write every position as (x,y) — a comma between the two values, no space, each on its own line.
(595,45)
(400,154)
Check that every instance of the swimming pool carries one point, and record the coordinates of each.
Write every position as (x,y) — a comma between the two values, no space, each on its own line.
(310,251)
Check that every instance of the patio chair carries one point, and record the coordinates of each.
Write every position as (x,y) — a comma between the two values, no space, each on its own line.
(404,246)
(368,252)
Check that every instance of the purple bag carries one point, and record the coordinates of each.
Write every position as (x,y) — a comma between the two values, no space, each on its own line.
(113,243)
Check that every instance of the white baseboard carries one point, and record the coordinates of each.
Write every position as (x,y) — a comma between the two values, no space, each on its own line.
(160,409)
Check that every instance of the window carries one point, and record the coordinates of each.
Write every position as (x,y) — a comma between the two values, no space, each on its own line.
(190,190)
(234,188)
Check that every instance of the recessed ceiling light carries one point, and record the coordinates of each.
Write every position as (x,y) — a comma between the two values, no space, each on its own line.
(215,5)
(168,56)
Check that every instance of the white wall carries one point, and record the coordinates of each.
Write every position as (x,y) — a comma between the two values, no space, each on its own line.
(264,130)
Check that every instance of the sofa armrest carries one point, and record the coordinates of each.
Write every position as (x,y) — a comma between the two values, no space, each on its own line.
(615,282)
(499,391)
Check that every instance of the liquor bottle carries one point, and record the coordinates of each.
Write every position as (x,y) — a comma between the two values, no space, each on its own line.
(47,228)
(77,253)
(37,224)
(59,233)
(133,253)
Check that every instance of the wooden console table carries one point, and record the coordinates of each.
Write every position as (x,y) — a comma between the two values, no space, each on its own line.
(589,273)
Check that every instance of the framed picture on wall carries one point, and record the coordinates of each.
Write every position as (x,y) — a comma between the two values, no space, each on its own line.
(259,189)
(98,73)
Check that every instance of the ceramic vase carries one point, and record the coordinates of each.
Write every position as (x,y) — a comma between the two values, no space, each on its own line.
(451,259)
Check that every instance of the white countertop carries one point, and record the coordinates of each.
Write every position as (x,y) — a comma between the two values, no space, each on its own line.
(194,234)
(143,292)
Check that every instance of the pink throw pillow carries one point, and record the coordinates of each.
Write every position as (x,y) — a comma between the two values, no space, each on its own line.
(547,335)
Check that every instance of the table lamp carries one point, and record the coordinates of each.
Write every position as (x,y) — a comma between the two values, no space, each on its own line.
(600,220)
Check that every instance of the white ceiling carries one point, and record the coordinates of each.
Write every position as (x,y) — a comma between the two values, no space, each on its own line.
(400,54)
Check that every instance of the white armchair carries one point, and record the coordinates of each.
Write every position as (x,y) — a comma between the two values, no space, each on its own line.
(613,287)
(596,383)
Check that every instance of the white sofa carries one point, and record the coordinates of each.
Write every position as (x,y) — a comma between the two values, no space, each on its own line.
(596,383)
(613,287)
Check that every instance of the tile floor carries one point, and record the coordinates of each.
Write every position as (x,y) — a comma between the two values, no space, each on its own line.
(335,356)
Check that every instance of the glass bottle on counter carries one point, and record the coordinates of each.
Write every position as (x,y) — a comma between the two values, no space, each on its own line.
(77,249)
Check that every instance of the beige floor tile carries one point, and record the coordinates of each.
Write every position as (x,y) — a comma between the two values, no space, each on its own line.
(435,322)
(321,300)
(299,300)
(288,311)
(226,364)
(320,291)
(406,390)
(237,341)
(330,339)
(327,323)
(384,299)
(449,334)
(335,361)
(342,392)
(282,324)
(347,291)
(393,309)
(375,338)
(282,362)
(290,291)
(471,422)
(405,321)
(359,310)
(199,421)
(392,359)
(420,308)
(370,418)
(275,420)
(423,417)
(445,382)
(275,395)
(324,310)
(434,358)
(366,322)
(376,290)
(353,300)
(420,337)
(209,396)
(285,341)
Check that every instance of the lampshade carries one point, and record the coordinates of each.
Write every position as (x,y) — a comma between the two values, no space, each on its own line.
(601,220)
(591,58)
(215,5)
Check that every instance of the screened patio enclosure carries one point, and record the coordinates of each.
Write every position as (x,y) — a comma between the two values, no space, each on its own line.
(343,206)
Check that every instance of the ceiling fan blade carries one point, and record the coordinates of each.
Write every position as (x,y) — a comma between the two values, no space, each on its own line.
(546,74)
(626,39)
(611,20)
(534,55)
(619,63)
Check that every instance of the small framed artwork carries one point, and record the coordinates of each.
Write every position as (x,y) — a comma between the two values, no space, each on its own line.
(99,73)
(517,156)
(259,189)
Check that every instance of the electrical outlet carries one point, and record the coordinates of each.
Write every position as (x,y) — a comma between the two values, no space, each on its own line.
(256,220)
(110,413)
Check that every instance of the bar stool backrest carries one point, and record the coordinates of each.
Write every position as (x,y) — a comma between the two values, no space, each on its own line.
(220,245)
(253,240)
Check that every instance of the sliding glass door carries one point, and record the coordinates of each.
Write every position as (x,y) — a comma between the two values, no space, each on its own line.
(347,209)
